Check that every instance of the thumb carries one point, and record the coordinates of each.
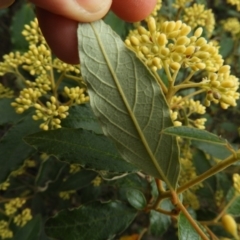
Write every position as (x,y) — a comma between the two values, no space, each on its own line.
(5,3)
(78,10)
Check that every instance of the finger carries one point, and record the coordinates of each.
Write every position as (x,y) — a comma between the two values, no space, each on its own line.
(78,10)
(133,10)
(5,3)
(60,34)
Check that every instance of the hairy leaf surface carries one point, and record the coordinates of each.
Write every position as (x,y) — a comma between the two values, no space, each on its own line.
(128,102)
(96,221)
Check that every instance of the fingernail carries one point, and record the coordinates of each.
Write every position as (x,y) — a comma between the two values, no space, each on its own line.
(94,6)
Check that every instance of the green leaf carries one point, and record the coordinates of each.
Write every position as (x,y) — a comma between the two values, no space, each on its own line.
(202,164)
(49,172)
(234,208)
(194,133)
(86,148)
(117,24)
(96,222)
(31,231)
(13,150)
(215,150)
(185,229)
(23,16)
(8,114)
(136,199)
(128,102)
(81,116)
(159,223)
(78,180)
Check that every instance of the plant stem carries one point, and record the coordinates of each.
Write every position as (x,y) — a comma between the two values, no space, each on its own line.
(186,80)
(187,85)
(212,171)
(189,217)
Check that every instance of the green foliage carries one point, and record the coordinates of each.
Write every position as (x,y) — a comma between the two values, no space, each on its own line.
(114,98)
(154,155)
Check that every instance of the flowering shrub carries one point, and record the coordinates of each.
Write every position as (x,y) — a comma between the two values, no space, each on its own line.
(154,154)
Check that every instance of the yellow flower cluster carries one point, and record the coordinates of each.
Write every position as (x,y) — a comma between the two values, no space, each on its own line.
(10,63)
(64,67)
(169,46)
(74,168)
(76,95)
(187,107)
(41,84)
(236,182)
(235,2)
(221,87)
(97,181)
(65,195)
(27,98)
(13,205)
(47,75)
(5,232)
(4,186)
(22,218)
(188,172)
(51,113)
(33,34)
(219,196)
(37,60)
(5,92)
(196,16)
(232,25)
(181,3)
(10,209)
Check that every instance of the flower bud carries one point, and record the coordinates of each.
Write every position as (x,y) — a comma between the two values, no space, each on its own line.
(230,225)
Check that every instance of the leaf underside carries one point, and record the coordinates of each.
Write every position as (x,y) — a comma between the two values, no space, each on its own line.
(128,102)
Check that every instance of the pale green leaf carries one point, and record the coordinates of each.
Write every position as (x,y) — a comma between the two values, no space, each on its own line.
(93,222)
(128,102)
(194,133)
(136,199)
(185,229)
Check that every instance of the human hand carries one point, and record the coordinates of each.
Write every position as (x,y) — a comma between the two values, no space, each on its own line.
(58,19)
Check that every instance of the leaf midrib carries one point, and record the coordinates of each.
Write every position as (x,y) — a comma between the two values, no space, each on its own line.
(141,135)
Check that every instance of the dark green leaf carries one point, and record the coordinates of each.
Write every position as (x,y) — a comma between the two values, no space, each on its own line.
(226,44)
(234,208)
(159,223)
(49,172)
(185,229)
(195,134)
(7,112)
(117,24)
(92,150)
(128,102)
(136,199)
(31,231)
(78,180)
(96,222)
(81,116)
(13,150)
(23,16)
(202,164)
